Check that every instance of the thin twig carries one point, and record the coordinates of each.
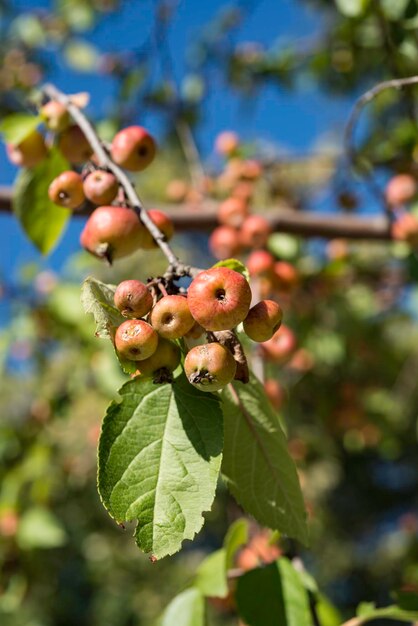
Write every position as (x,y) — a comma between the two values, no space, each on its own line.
(176,267)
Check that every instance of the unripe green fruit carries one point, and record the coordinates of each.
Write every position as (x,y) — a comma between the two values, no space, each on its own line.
(133,148)
(101,187)
(210,367)
(29,152)
(112,232)
(165,225)
(55,116)
(133,298)
(74,146)
(263,320)
(136,340)
(162,363)
(219,298)
(67,190)
(171,317)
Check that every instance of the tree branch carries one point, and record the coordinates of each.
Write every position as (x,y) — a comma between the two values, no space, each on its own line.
(176,267)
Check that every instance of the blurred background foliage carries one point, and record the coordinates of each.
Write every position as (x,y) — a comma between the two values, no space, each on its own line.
(350,393)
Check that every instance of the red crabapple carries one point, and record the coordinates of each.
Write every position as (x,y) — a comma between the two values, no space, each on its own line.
(133,298)
(133,148)
(232,212)
(274,392)
(210,367)
(136,340)
(101,187)
(74,146)
(255,232)
(400,189)
(260,263)
(263,320)
(219,298)
(226,143)
(224,242)
(286,275)
(281,346)
(162,363)
(165,225)
(112,232)
(171,317)
(67,190)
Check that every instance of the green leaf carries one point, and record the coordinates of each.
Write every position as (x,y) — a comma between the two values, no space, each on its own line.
(394,10)
(352,8)
(237,536)
(234,264)
(42,220)
(407,600)
(97,299)
(211,577)
(273,596)
(327,613)
(159,459)
(187,609)
(39,528)
(257,466)
(17,126)
(367,612)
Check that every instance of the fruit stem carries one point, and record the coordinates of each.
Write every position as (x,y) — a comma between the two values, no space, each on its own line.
(176,267)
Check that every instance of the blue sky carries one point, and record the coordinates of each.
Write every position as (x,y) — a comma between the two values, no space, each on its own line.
(294,120)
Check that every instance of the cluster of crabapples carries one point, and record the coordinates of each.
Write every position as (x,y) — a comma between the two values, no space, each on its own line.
(217,299)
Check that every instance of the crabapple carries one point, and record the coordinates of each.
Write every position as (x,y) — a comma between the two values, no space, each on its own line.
(29,152)
(112,232)
(260,263)
(285,275)
(226,143)
(162,363)
(210,367)
(165,225)
(255,232)
(171,317)
(224,242)
(219,298)
(67,190)
(281,346)
(55,116)
(74,146)
(274,392)
(251,169)
(232,212)
(176,190)
(133,148)
(244,190)
(400,189)
(405,228)
(101,187)
(263,320)
(136,340)
(133,298)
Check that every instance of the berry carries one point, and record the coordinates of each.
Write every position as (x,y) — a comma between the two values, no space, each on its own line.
(136,340)
(55,116)
(163,222)
(67,190)
(112,232)
(232,212)
(219,298)
(210,367)
(263,320)
(74,146)
(224,242)
(281,346)
(29,152)
(400,189)
(133,148)
(255,232)
(226,143)
(260,263)
(171,317)
(133,298)
(162,363)
(101,187)
(274,392)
